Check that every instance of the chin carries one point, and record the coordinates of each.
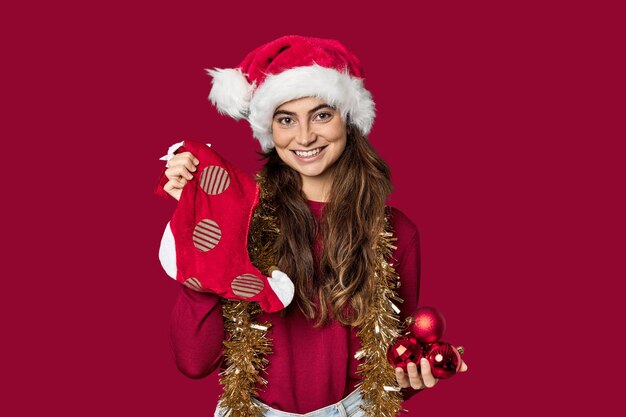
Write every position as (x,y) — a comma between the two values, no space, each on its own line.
(309,172)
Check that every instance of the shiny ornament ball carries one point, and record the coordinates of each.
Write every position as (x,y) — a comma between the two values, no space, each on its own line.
(444,359)
(427,324)
(406,349)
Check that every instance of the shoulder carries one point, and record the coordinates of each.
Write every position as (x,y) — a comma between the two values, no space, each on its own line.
(403,226)
(404,230)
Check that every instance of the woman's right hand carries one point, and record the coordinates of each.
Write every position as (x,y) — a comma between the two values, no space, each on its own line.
(422,378)
(178,171)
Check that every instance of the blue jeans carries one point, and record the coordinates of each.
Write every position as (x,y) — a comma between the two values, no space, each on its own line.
(348,407)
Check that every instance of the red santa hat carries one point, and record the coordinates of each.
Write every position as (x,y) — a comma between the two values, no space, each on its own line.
(288,68)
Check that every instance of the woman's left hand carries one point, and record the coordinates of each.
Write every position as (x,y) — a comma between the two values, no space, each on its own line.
(416,381)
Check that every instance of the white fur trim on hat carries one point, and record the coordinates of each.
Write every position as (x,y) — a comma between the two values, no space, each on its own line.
(339,89)
(230,92)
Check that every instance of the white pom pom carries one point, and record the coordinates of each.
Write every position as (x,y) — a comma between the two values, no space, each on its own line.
(231,92)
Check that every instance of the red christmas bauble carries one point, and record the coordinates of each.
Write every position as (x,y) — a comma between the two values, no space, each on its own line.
(406,349)
(427,324)
(444,359)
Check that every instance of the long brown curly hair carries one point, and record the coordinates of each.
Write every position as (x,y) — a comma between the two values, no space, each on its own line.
(353,217)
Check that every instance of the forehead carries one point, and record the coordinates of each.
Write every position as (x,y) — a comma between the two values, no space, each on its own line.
(303,104)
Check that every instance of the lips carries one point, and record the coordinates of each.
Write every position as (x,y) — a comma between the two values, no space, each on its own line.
(319,149)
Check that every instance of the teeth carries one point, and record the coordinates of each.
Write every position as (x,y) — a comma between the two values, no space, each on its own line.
(308,154)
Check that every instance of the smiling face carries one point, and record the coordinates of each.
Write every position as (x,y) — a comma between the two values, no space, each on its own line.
(309,136)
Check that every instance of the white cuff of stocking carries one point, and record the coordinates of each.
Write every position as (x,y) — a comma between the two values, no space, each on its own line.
(171,150)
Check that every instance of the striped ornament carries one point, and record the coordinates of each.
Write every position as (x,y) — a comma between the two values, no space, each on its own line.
(247,285)
(214,180)
(206,235)
(194,284)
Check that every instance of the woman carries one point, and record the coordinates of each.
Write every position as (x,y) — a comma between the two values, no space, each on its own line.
(307,106)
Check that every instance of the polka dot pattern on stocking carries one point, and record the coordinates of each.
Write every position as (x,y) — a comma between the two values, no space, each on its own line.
(247,285)
(206,235)
(194,284)
(214,180)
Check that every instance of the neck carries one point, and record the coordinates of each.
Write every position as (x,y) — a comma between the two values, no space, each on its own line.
(317,188)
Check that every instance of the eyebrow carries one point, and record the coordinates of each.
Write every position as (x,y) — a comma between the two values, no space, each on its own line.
(313,110)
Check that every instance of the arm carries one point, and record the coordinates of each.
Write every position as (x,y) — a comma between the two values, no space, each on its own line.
(197,332)
(196,326)
(159,188)
(408,268)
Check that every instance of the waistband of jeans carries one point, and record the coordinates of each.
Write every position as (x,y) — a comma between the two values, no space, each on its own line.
(347,402)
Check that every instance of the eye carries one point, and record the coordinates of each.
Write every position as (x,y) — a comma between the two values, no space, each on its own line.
(323,115)
(285,121)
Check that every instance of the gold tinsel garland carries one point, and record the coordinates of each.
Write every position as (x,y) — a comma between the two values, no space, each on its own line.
(381,394)
(247,342)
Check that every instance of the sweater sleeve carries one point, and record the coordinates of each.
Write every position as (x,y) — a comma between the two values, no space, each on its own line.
(197,332)
(160,183)
(408,268)
(196,325)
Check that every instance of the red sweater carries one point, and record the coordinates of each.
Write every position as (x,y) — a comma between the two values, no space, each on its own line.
(309,368)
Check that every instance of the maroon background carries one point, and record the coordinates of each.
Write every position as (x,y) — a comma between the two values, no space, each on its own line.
(504,128)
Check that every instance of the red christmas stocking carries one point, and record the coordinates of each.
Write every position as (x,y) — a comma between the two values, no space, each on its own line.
(204,245)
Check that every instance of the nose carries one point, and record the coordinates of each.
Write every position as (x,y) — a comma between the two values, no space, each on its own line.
(305,135)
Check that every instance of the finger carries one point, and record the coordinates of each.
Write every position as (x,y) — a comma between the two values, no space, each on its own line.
(184,172)
(172,191)
(172,172)
(170,186)
(183,155)
(191,167)
(176,194)
(187,161)
(463,367)
(178,171)
(402,379)
(190,156)
(181,159)
(184,158)
(175,184)
(175,161)
(414,376)
(427,376)
(180,181)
